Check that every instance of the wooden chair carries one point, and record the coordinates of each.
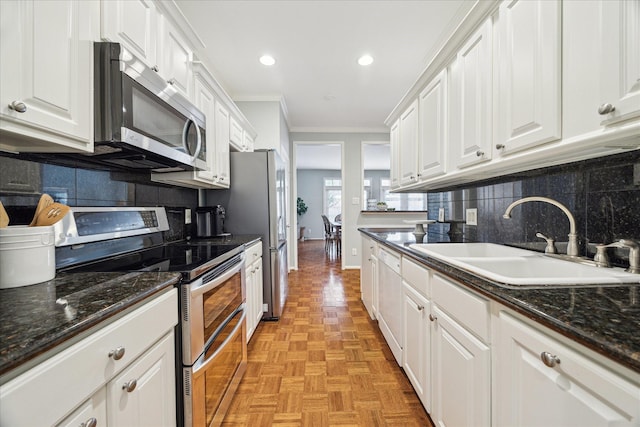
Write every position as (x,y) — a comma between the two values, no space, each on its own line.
(332,240)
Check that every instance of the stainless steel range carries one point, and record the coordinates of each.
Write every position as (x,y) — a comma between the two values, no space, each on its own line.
(211,348)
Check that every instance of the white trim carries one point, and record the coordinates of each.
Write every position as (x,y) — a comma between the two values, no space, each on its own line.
(303,129)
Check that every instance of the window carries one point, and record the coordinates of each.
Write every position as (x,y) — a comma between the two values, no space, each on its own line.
(332,199)
(376,160)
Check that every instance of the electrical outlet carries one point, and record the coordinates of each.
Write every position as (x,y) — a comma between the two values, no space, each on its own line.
(187,216)
(355,201)
(472,216)
(354,251)
(441,214)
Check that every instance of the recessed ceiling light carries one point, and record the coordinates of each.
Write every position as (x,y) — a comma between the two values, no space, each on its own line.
(365,60)
(267,60)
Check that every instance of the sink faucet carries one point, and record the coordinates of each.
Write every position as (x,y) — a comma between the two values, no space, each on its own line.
(572,247)
(602,260)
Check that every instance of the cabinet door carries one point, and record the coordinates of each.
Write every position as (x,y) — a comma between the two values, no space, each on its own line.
(374,286)
(528,67)
(47,75)
(366,277)
(175,56)
(205,101)
(433,124)
(144,394)
(471,100)
(222,144)
(251,299)
(620,59)
(417,343)
(461,375)
(573,391)
(394,141)
(409,145)
(248,142)
(258,294)
(95,408)
(134,23)
(236,134)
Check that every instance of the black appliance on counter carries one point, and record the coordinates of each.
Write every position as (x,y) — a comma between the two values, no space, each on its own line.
(211,348)
(210,221)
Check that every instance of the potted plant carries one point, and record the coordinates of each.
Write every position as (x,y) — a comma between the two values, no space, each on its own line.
(302,209)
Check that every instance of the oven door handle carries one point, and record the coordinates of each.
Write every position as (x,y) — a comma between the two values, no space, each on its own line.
(199,289)
(204,364)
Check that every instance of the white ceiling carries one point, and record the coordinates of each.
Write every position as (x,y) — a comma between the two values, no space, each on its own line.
(316,44)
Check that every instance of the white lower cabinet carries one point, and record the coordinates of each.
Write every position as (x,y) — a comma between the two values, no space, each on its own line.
(417,343)
(121,375)
(540,381)
(144,393)
(390,301)
(255,291)
(369,275)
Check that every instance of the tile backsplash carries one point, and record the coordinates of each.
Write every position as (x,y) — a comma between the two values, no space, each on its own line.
(22,182)
(602,194)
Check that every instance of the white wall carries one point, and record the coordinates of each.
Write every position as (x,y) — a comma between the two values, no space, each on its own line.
(352,188)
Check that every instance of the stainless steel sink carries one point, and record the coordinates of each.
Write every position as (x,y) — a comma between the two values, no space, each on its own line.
(521,267)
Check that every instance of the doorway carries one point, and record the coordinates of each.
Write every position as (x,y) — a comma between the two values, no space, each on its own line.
(318,180)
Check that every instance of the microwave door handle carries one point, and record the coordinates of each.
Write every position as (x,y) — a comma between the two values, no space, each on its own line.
(185,134)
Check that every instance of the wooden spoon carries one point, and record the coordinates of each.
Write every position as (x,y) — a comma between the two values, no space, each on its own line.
(45,201)
(4,218)
(51,214)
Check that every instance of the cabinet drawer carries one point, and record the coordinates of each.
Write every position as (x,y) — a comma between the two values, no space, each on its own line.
(253,252)
(70,377)
(416,276)
(467,308)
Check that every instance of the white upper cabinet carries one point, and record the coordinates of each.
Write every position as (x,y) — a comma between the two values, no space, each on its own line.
(176,57)
(471,100)
(433,128)
(134,23)
(620,61)
(150,34)
(408,145)
(394,142)
(222,144)
(528,77)
(46,83)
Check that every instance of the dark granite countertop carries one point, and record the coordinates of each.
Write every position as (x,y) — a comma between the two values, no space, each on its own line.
(603,318)
(231,239)
(32,323)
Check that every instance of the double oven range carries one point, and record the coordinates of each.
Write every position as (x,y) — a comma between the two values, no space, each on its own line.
(211,350)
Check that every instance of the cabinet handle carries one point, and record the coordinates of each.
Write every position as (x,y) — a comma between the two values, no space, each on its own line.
(551,360)
(171,81)
(479,153)
(117,353)
(18,106)
(605,109)
(420,307)
(155,68)
(130,386)
(500,146)
(91,422)
(432,318)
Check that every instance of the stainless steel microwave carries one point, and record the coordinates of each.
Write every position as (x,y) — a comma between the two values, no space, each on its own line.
(141,121)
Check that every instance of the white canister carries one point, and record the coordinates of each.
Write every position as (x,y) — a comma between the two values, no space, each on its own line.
(27,255)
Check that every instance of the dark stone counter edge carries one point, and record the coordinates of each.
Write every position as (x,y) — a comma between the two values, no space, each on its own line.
(69,336)
(498,292)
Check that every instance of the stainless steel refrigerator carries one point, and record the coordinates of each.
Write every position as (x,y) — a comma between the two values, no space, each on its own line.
(255,204)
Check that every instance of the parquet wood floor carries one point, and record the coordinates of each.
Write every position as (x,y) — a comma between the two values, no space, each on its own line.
(324,363)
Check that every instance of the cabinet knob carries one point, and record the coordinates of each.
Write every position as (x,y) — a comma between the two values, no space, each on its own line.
(479,153)
(171,81)
(432,318)
(500,146)
(420,307)
(130,386)
(551,360)
(18,106)
(91,422)
(117,353)
(605,109)
(155,68)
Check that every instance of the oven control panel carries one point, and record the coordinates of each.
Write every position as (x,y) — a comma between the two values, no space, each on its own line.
(93,224)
